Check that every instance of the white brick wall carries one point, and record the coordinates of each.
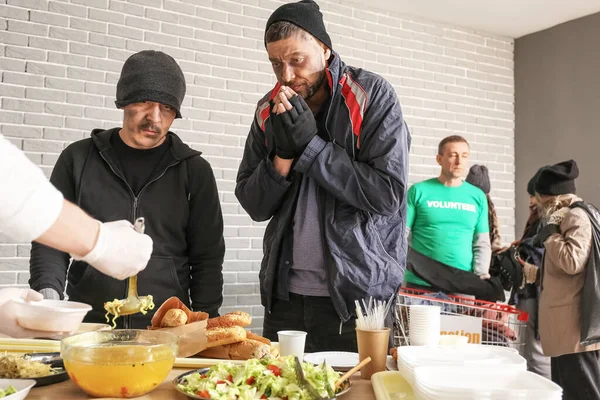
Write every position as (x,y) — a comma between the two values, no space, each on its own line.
(60,62)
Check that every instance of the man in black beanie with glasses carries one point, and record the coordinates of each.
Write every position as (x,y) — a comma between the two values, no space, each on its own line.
(326,160)
(142,169)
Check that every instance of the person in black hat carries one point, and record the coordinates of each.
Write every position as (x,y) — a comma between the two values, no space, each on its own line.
(327,161)
(531,253)
(142,169)
(567,238)
(479,176)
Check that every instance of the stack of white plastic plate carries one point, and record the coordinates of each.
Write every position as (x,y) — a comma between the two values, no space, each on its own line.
(424,325)
(479,356)
(466,383)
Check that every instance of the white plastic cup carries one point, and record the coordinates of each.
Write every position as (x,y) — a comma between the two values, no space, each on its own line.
(291,343)
(424,325)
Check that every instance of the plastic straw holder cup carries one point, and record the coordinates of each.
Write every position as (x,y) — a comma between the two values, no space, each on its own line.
(374,344)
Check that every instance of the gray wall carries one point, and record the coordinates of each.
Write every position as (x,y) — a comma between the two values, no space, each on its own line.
(557,105)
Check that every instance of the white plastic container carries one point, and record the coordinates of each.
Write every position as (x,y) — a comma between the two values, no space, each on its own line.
(22,386)
(451,382)
(470,355)
(453,340)
(50,315)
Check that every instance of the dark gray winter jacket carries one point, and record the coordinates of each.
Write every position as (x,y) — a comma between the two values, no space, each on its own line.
(362,176)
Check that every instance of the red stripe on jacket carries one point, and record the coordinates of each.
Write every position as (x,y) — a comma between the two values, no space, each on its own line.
(356,101)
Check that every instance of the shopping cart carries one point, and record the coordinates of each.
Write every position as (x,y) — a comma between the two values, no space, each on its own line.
(501,324)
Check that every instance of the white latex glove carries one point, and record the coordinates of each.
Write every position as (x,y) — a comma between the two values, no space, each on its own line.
(120,251)
(8,315)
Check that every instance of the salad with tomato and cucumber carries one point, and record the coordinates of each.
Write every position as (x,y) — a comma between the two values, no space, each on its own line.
(267,378)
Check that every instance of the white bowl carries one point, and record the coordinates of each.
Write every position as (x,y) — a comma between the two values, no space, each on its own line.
(50,315)
(22,386)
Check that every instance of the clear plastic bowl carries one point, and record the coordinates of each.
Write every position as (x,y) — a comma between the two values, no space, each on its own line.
(120,363)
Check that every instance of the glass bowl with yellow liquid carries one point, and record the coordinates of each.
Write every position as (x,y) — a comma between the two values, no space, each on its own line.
(120,363)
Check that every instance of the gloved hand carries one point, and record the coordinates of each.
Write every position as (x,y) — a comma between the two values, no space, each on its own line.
(530,273)
(553,225)
(8,315)
(120,251)
(293,129)
(50,294)
(557,216)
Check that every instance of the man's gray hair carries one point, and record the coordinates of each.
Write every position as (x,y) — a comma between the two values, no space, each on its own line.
(282,30)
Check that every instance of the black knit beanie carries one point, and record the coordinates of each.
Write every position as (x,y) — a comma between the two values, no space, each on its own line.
(557,179)
(531,183)
(151,76)
(306,15)
(479,176)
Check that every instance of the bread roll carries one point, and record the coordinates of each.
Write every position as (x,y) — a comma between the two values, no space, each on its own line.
(174,303)
(248,349)
(235,318)
(174,317)
(274,352)
(222,336)
(254,336)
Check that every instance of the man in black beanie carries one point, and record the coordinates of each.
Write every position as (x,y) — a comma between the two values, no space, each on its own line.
(142,169)
(327,161)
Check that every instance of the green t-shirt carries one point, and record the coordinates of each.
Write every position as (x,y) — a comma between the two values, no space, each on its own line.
(444,221)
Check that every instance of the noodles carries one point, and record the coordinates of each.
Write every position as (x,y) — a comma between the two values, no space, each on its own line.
(114,308)
(16,367)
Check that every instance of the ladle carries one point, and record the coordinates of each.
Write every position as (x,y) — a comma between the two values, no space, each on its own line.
(133,304)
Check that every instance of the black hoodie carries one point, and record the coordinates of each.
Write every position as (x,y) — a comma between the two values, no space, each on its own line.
(183,216)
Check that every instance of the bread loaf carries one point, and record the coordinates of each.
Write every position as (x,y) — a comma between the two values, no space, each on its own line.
(222,336)
(259,338)
(248,349)
(235,318)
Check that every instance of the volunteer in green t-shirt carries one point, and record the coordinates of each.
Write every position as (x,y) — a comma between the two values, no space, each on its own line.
(447,217)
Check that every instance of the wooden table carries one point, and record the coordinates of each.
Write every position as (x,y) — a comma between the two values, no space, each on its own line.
(361,390)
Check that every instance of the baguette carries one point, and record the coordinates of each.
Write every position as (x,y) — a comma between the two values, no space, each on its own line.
(259,338)
(248,349)
(223,336)
(235,318)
